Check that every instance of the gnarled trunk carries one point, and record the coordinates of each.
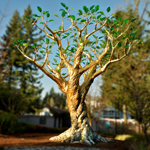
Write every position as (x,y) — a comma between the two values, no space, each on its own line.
(80,129)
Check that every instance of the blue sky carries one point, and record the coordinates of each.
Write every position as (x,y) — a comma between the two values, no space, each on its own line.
(53,7)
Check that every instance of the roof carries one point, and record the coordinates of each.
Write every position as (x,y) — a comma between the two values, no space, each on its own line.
(56,111)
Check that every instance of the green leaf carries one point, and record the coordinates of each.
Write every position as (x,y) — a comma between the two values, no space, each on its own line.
(140,42)
(60,27)
(108,9)
(71,8)
(115,21)
(92,7)
(101,37)
(41,23)
(56,15)
(133,20)
(102,18)
(50,46)
(39,9)
(94,36)
(64,37)
(72,16)
(41,51)
(50,20)
(96,8)
(126,46)
(119,44)
(78,19)
(18,40)
(25,45)
(14,43)
(67,34)
(47,41)
(61,10)
(119,19)
(124,37)
(91,23)
(27,17)
(98,16)
(59,34)
(63,74)
(83,20)
(44,12)
(47,15)
(134,28)
(63,4)
(85,9)
(101,12)
(126,21)
(112,28)
(38,17)
(55,60)
(80,12)
(92,11)
(35,15)
(103,41)
(134,34)
(108,20)
(63,13)
(35,45)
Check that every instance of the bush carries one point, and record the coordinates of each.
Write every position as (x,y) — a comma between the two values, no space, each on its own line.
(7,122)
(138,137)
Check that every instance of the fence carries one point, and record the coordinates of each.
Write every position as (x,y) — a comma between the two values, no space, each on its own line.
(109,126)
(112,126)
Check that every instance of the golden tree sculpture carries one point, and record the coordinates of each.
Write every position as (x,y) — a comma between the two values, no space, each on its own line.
(88,63)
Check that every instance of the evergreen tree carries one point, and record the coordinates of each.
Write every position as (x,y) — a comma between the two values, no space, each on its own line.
(56,100)
(23,72)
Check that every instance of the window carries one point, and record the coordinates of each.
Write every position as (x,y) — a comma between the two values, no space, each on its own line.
(42,120)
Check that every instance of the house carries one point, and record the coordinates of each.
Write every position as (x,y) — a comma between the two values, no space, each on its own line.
(49,116)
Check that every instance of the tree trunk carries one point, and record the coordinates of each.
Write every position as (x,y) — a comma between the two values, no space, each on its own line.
(125,118)
(144,128)
(80,129)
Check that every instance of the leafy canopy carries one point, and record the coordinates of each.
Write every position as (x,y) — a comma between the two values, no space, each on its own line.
(87,16)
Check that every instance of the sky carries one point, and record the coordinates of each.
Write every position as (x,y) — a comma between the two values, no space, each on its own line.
(53,6)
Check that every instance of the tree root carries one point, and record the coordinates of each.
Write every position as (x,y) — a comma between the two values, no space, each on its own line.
(84,135)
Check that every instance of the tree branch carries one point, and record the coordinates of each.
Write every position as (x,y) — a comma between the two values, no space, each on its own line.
(58,81)
(45,32)
(96,30)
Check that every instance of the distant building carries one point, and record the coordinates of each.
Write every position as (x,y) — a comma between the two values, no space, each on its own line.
(109,112)
(48,116)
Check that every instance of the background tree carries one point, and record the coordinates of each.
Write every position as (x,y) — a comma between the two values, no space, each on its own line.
(78,61)
(128,79)
(21,70)
(56,100)
(94,102)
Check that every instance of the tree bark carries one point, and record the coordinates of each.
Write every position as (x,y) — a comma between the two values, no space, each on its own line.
(80,129)
(125,117)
